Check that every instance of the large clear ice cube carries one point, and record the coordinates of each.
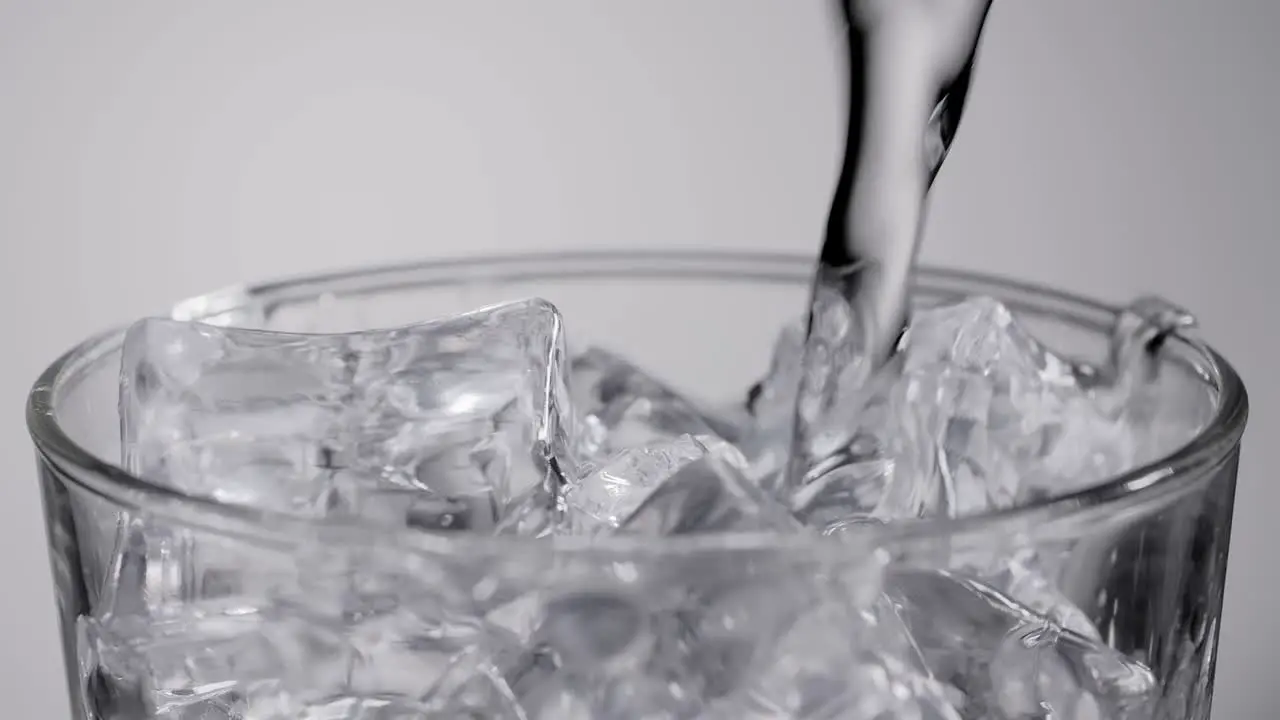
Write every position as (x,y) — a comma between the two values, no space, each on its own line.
(443,425)
(459,424)
(973,415)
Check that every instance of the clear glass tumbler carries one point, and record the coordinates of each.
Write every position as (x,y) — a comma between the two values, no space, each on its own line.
(248,614)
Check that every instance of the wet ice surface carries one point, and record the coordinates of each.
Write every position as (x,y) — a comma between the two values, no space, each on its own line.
(484,424)
(444,425)
(973,415)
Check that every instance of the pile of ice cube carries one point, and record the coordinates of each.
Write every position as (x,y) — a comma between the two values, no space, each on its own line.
(485,423)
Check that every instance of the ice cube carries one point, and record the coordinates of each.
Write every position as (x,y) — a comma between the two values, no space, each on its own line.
(208,658)
(980,334)
(467,413)
(772,402)
(1027,576)
(293,659)
(710,494)
(820,356)
(627,407)
(839,664)
(600,653)
(1011,661)
(609,493)
(452,425)
(662,639)
(155,568)
(973,415)
(1166,412)
(670,646)
(844,654)
(936,427)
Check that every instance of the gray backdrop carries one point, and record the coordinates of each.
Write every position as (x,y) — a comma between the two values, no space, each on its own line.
(151,150)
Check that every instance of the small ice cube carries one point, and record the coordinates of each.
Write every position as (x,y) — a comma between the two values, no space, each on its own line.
(156,568)
(825,361)
(627,407)
(828,667)
(1024,578)
(599,653)
(710,494)
(209,657)
(469,688)
(980,334)
(468,412)
(1161,405)
(689,629)
(289,659)
(772,401)
(847,654)
(685,635)
(607,494)
(1010,660)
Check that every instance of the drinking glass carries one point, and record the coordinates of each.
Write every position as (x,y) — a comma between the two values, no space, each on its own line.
(244,607)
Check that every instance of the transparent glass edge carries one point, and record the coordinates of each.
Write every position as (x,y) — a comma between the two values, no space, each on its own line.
(1214,445)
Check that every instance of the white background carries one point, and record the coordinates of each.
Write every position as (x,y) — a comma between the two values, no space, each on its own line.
(150,151)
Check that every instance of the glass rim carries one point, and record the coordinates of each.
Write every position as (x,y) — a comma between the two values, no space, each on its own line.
(1169,474)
